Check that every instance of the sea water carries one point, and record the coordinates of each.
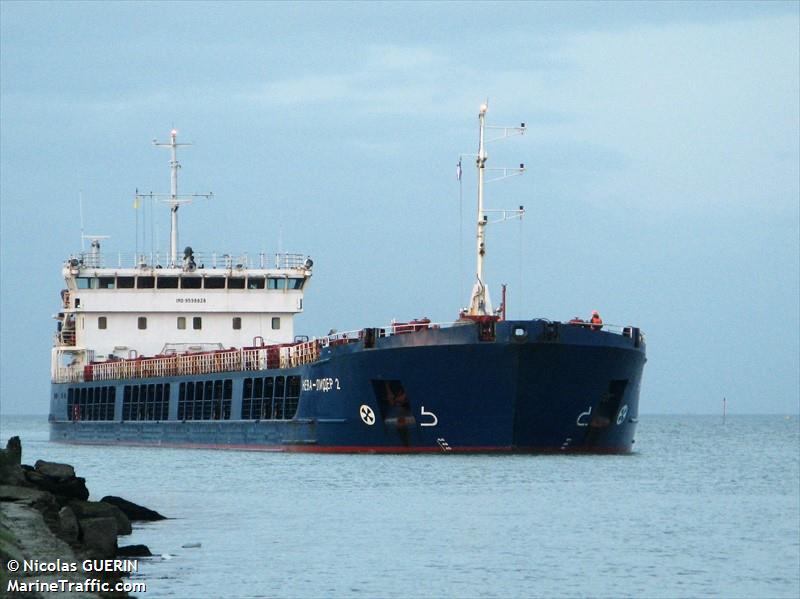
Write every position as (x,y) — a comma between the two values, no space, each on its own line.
(701,509)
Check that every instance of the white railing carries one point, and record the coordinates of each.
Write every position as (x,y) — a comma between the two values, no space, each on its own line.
(254,358)
(207,260)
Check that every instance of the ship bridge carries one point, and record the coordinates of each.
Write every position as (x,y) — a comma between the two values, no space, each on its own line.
(139,305)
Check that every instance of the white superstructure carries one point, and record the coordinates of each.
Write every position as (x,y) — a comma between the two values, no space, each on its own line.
(202,302)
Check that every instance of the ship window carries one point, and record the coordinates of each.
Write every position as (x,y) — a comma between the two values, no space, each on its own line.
(280,387)
(165,405)
(266,408)
(142,322)
(296,283)
(277,283)
(181,322)
(208,399)
(112,400)
(145,282)
(191,282)
(181,400)
(125,282)
(227,396)
(257,403)
(255,282)
(237,322)
(167,282)
(83,283)
(235,283)
(102,322)
(134,407)
(197,323)
(292,397)
(276,323)
(126,403)
(105,283)
(215,283)
(198,401)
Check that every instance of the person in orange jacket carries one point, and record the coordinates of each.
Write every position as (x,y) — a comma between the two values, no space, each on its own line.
(597,322)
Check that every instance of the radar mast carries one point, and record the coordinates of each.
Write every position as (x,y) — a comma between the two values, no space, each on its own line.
(480,304)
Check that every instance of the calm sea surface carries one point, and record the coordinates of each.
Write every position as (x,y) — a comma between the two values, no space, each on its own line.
(703,509)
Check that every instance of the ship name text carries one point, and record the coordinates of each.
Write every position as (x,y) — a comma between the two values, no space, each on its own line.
(324,385)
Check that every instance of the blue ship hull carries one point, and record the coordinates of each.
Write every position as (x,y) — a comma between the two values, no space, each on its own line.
(536,386)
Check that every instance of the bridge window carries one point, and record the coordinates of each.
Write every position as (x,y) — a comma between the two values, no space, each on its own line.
(167,282)
(236,283)
(102,322)
(296,283)
(255,282)
(105,283)
(145,282)
(181,322)
(197,323)
(237,322)
(191,282)
(277,283)
(215,283)
(142,322)
(125,282)
(276,323)
(83,282)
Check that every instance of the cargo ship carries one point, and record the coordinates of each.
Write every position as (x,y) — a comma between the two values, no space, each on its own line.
(194,349)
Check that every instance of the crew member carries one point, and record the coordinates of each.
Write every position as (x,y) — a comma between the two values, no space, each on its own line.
(597,322)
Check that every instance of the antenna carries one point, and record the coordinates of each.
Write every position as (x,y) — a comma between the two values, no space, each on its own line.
(80,208)
(479,303)
(173,199)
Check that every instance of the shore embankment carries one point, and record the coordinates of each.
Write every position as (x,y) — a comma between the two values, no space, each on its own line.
(54,541)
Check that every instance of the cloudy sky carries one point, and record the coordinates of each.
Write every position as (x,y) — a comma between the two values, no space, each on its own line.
(662,152)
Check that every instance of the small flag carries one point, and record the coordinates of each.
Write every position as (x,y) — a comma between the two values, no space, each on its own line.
(458,170)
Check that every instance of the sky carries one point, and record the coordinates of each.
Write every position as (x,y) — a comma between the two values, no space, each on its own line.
(662,155)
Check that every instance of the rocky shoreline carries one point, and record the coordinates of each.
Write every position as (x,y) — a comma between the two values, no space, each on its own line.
(47,521)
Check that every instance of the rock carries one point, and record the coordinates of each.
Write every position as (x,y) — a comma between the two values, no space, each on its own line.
(54,469)
(14,450)
(40,500)
(133,511)
(72,488)
(22,494)
(134,551)
(99,536)
(101,509)
(10,462)
(68,525)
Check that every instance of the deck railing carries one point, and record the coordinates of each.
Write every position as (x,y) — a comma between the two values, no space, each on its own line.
(251,358)
(207,260)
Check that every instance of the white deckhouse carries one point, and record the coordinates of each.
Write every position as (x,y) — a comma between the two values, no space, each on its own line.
(187,304)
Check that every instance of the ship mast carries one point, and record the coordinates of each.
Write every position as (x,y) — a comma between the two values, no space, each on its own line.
(479,303)
(174,200)
(174,204)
